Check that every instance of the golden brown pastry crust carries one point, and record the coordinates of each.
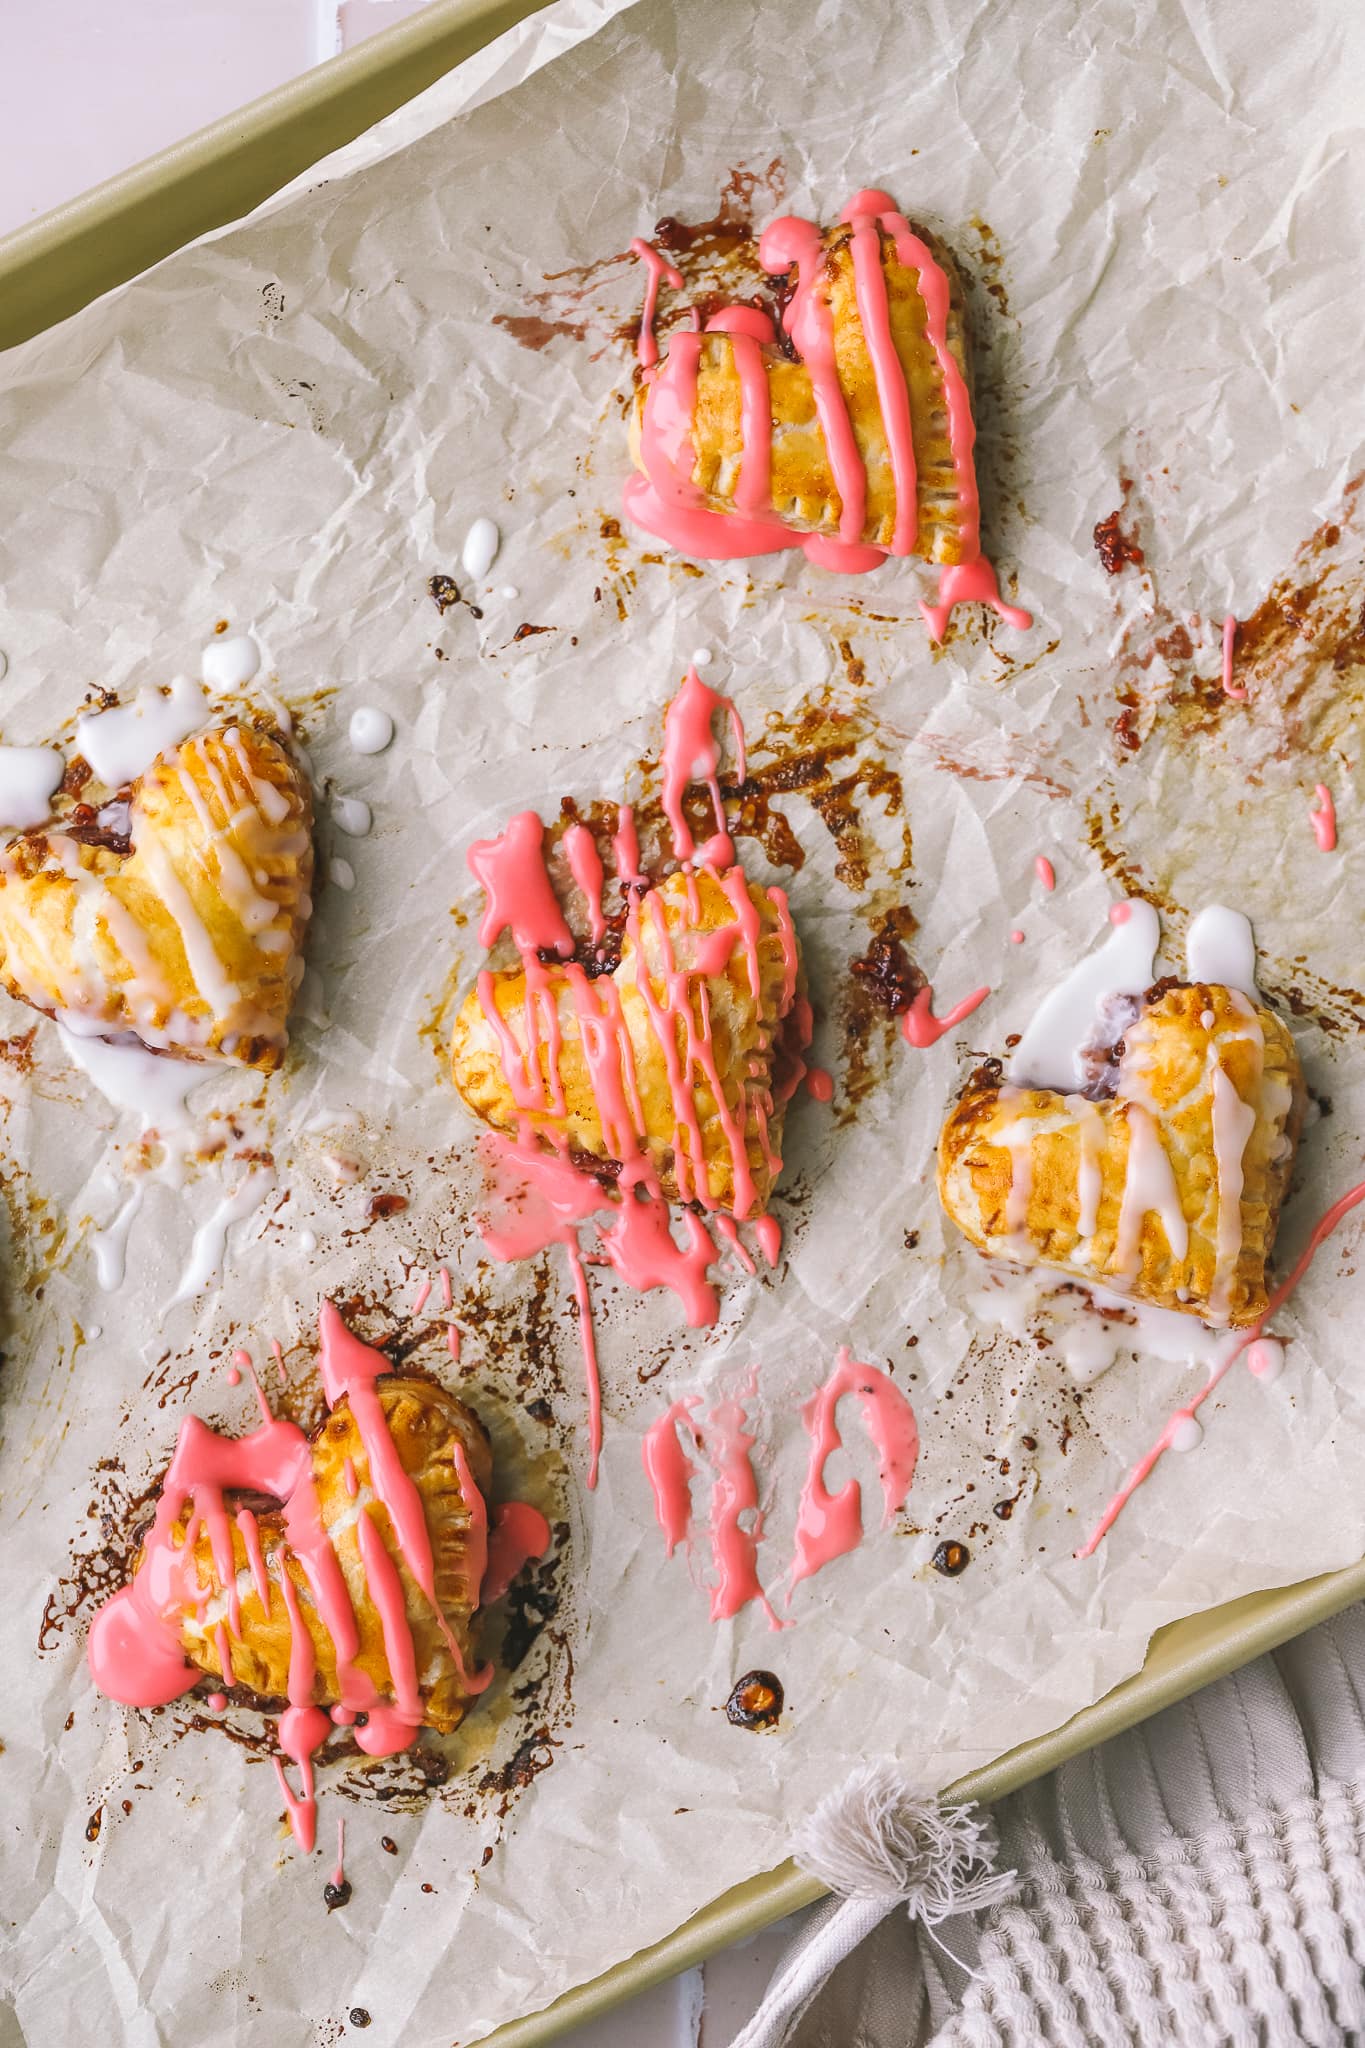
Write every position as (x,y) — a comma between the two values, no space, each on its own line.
(804,495)
(1010,1159)
(424,1421)
(192,939)
(746,1035)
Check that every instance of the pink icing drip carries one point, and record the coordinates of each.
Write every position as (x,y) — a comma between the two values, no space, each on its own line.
(642,1249)
(303,1727)
(670,1471)
(749,328)
(422,1297)
(277,1353)
(520,1532)
(657,268)
(726,1227)
(734,1549)
(1045,872)
(1323,813)
(820,1084)
(691,753)
(792,242)
(768,1234)
(251,1542)
(511,869)
(478,1554)
(447,1292)
(921,1028)
(348,1474)
(1230,689)
(339,1874)
(350,1368)
(218,1702)
(625,845)
(830,1524)
(453,1341)
(585,865)
(893,395)
(973,582)
(1244,1340)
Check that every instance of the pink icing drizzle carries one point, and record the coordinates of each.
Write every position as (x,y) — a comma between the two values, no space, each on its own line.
(921,1028)
(1323,813)
(519,1533)
(134,1650)
(422,1297)
(1046,873)
(1244,1341)
(691,753)
(830,1524)
(585,865)
(657,267)
(670,1471)
(666,501)
(1230,689)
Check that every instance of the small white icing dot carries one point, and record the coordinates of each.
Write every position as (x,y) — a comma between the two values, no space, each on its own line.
(371,730)
(701,657)
(510,592)
(1206,1019)
(480,547)
(307,1241)
(226,664)
(353,815)
(1265,1358)
(342,873)
(1188,1434)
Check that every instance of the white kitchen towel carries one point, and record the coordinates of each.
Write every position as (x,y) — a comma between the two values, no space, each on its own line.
(1197,1882)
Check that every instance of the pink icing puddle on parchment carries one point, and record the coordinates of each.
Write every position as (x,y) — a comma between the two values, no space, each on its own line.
(920,1027)
(1046,873)
(828,1525)
(538,1194)
(1323,813)
(666,501)
(1264,1363)
(134,1648)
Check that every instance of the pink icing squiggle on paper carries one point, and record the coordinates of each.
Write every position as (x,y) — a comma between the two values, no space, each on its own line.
(1323,815)
(921,1028)
(1244,1341)
(830,1524)
(658,269)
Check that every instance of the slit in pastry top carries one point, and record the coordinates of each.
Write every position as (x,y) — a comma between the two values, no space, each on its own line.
(1169,1186)
(854,439)
(178,917)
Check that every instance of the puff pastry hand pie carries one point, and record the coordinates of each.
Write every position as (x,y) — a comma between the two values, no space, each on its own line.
(1169,1188)
(179,913)
(853,436)
(680,1057)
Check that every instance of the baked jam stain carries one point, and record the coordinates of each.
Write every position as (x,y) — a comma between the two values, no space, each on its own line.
(756,1701)
(887,972)
(444,593)
(1115,547)
(358,2016)
(335,1895)
(951,1558)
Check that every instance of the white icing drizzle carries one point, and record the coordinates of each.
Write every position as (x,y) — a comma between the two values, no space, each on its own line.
(1233,1123)
(110,1245)
(371,730)
(342,873)
(480,549)
(227,664)
(1090,1326)
(120,743)
(210,977)
(1048,1054)
(1149,1188)
(28,782)
(209,1249)
(130,1077)
(1089,1171)
(1220,948)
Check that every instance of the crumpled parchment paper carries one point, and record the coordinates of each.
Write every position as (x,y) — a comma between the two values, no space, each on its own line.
(291,427)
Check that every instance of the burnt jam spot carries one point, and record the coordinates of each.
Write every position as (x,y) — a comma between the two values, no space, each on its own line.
(888,973)
(93,1825)
(1115,547)
(526,631)
(388,1845)
(951,1558)
(387,1205)
(444,593)
(756,1701)
(335,1895)
(358,2015)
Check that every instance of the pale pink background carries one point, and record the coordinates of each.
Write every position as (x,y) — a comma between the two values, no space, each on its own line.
(88,87)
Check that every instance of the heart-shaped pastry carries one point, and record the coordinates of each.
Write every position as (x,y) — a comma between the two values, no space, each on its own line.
(177,910)
(852,437)
(682,1055)
(1168,1186)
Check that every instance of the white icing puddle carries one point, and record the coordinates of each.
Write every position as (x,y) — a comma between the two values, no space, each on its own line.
(1221,948)
(1091,1327)
(110,1245)
(480,549)
(352,816)
(120,743)
(155,1087)
(1048,1054)
(341,873)
(227,664)
(28,782)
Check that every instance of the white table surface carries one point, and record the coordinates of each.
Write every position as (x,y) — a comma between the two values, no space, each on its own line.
(86,89)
